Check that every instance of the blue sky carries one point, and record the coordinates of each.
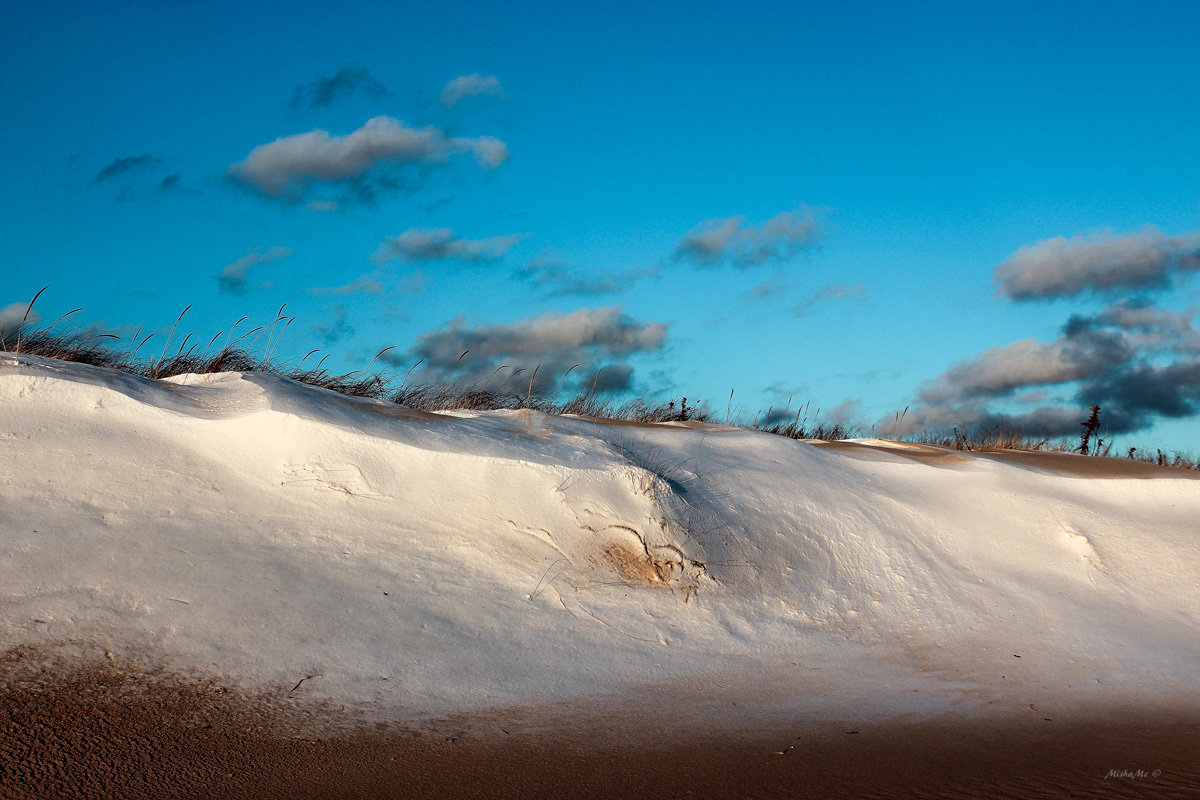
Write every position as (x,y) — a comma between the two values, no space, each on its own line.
(981,213)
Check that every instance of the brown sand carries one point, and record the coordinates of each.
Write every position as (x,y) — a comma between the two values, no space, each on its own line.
(1078,466)
(98,731)
(1049,461)
(924,453)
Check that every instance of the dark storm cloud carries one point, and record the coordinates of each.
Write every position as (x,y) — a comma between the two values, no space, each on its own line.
(1136,361)
(1137,392)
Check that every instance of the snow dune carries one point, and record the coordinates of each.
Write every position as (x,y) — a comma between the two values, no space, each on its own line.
(245,527)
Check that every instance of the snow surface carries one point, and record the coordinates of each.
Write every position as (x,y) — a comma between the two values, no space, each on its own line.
(261,531)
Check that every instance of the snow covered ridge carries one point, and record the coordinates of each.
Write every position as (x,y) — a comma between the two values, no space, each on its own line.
(408,564)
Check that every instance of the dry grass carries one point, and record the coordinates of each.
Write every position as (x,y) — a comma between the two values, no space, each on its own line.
(801,429)
(105,350)
(992,439)
(985,439)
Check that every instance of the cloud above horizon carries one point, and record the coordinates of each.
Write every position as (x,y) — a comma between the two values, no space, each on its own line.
(288,166)
(348,81)
(125,166)
(1133,359)
(598,339)
(12,316)
(729,240)
(473,85)
(376,284)
(560,280)
(335,328)
(174,183)
(441,244)
(1102,264)
(233,279)
(827,293)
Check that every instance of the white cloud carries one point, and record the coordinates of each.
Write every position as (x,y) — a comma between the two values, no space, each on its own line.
(561,280)
(232,278)
(598,339)
(287,166)
(1102,263)
(472,85)
(440,244)
(378,285)
(12,315)
(730,240)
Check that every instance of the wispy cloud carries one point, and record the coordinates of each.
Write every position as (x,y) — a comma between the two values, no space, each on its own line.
(772,287)
(348,81)
(288,166)
(441,244)
(233,278)
(173,184)
(560,280)
(598,339)
(730,241)
(473,85)
(1135,360)
(126,166)
(828,293)
(1100,264)
(335,327)
(377,285)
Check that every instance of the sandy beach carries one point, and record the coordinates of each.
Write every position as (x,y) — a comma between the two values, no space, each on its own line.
(100,731)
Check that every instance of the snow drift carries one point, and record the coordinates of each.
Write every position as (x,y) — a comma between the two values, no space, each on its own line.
(261,531)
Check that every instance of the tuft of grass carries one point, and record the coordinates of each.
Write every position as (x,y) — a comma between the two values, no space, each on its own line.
(800,427)
(996,438)
(986,439)
(194,358)
(101,350)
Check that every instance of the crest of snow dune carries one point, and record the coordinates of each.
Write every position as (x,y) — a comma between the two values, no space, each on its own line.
(262,531)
